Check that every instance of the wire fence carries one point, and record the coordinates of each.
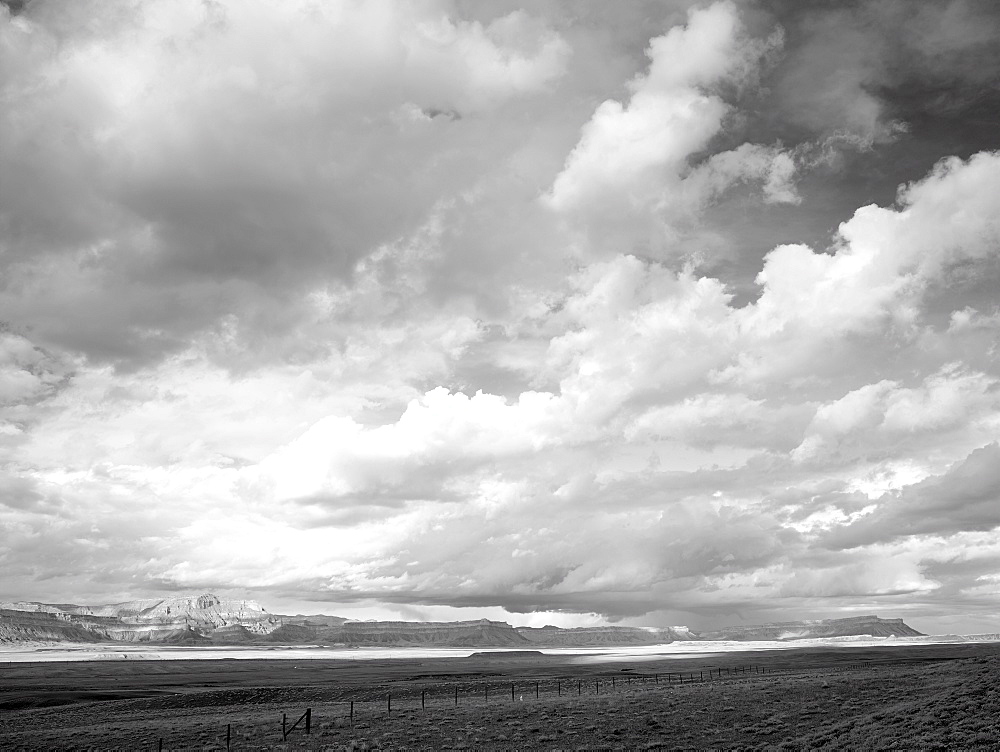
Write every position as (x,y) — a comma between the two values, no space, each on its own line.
(372,706)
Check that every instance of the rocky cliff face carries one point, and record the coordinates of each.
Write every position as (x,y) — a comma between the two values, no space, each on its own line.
(207,619)
(153,620)
(207,610)
(44,626)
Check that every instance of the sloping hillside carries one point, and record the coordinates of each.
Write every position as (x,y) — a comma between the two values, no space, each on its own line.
(41,626)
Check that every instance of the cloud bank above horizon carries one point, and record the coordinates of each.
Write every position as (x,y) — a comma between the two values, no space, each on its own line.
(659,313)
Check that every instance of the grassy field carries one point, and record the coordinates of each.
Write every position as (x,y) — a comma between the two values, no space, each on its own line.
(926,697)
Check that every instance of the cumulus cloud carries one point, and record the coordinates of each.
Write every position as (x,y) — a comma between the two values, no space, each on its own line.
(440,307)
(878,418)
(962,499)
(642,341)
(337,457)
(633,159)
(167,165)
(883,263)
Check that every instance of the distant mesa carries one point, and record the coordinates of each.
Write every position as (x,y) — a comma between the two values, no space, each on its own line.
(550,636)
(209,620)
(184,620)
(507,655)
(796,630)
(871,626)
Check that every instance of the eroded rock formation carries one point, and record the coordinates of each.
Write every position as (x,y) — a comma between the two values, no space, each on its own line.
(208,619)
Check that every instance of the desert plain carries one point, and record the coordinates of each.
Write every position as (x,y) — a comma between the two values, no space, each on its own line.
(943,696)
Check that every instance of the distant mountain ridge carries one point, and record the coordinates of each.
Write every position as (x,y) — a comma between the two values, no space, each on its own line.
(207,619)
(149,620)
(795,630)
(597,636)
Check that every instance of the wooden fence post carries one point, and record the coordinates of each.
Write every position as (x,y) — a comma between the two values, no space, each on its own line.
(536,690)
(559,688)
(423,699)
(456,697)
(352,713)
(229,733)
(307,717)
(388,706)
(579,688)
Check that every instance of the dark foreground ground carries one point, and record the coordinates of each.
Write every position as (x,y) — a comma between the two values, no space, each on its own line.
(919,697)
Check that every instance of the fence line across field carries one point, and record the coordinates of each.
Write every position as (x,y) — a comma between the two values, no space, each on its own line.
(499,693)
(382,705)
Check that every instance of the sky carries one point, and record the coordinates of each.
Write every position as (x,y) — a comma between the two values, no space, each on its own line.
(646,313)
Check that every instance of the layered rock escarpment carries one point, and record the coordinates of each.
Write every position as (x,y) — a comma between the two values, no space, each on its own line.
(451,633)
(604,635)
(398,633)
(207,619)
(152,620)
(855,626)
(590,636)
(46,626)
(798,630)
(203,611)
